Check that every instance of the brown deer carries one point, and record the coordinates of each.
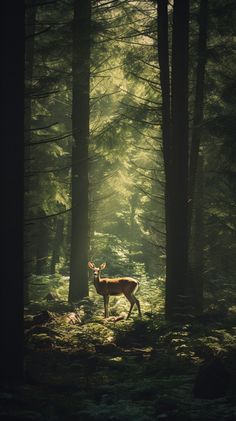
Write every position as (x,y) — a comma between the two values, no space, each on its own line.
(115,286)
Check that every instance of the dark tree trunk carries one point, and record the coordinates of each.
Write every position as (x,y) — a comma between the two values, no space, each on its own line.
(67,243)
(163,56)
(80,127)
(175,149)
(30,15)
(176,282)
(199,102)
(12,167)
(57,245)
(196,260)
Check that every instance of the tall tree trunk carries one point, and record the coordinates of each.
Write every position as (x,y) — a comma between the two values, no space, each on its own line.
(57,245)
(196,260)
(30,16)
(175,149)
(178,214)
(163,57)
(199,102)
(12,167)
(80,126)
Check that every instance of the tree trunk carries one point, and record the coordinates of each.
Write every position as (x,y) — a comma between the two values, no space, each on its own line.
(30,16)
(176,282)
(57,245)
(196,260)
(12,167)
(199,102)
(80,127)
(175,149)
(163,56)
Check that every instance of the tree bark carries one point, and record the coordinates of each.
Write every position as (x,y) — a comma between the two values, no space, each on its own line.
(176,282)
(80,127)
(175,149)
(199,102)
(163,57)
(12,167)
(30,16)
(196,260)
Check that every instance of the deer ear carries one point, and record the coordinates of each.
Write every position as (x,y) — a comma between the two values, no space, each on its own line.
(102,266)
(91,265)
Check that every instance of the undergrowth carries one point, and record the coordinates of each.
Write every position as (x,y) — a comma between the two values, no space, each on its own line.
(82,367)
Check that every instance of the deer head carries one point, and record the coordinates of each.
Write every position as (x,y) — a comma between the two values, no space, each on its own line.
(96,270)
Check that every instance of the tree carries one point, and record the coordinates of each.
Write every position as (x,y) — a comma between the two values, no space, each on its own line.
(80,131)
(198,101)
(175,149)
(196,255)
(30,18)
(12,166)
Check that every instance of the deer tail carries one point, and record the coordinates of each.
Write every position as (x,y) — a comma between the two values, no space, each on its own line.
(137,286)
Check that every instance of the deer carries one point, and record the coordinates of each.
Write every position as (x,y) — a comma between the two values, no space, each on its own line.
(115,286)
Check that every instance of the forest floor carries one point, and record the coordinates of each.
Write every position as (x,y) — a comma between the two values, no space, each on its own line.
(80,367)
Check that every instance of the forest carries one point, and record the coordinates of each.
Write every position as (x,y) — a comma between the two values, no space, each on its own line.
(119,210)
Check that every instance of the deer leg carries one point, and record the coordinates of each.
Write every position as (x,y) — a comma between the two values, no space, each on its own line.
(130,298)
(138,305)
(106,305)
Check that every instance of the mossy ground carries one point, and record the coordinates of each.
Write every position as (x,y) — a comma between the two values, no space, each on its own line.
(80,367)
